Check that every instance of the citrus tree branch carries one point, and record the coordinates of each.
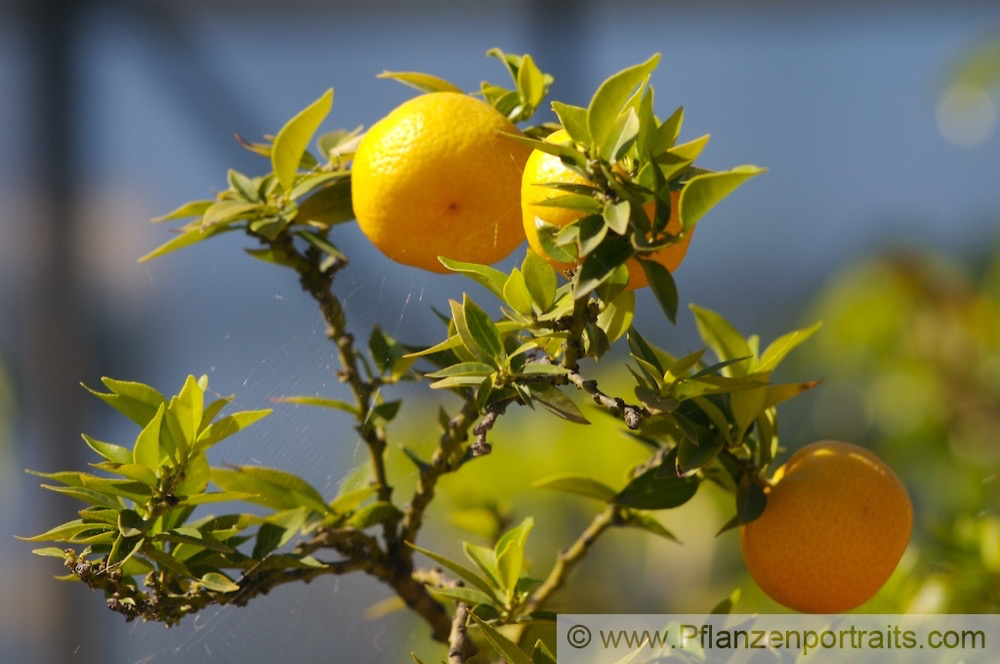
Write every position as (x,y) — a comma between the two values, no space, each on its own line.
(571,556)
(458,645)
(632,415)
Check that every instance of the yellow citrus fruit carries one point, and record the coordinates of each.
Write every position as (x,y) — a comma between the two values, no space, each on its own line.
(836,524)
(436,177)
(544,168)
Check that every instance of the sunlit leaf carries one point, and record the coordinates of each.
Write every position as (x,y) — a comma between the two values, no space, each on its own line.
(421,81)
(504,646)
(293,139)
(578,484)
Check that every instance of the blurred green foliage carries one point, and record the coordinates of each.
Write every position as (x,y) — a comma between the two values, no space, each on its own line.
(910,353)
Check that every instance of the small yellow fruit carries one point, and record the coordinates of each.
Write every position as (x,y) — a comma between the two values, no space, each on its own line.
(837,522)
(544,168)
(437,177)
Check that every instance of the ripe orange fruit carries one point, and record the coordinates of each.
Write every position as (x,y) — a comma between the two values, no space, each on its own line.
(837,522)
(436,177)
(544,168)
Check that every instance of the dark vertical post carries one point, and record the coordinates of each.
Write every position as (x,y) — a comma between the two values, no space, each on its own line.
(56,338)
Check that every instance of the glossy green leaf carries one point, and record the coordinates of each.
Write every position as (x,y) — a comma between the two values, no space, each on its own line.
(784,391)
(486,276)
(540,279)
(421,81)
(509,552)
(470,596)
(504,646)
(719,335)
(621,136)
(610,98)
(599,265)
(649,491)
(66,532)
(113,453)
(515,293)
(746,405)
(696,450)
(187,238)
(661,282)
(218,582)
(328,206)
(574,121)
(557,403)
(650,524)
(786,343)
(485,559)
(227,426)
(147,446)
(137,492)
(293,139)
(548,235)
(543,369)
(478,332)
(189,209)
(191,535)
(616,216)
(136,401)
(196,476)
(530,82)
(577,484)
(478,369)
(592,231)
(84,495)
(702,192)
(460,570)
(375,513)
(227,212)
(132,471)
(216,497)
(750,500)
(540,654)
(270,487)
(130,524)
(188,408)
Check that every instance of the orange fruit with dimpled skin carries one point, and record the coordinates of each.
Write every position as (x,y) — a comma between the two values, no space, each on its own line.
(437,177)
(836,523)
(543,168)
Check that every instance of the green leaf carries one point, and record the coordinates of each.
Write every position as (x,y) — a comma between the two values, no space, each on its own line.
(702,192)
(557,403)
(599,265)
(227,426)
(470,596)
(189,237)
(271,487)
(592,231)
(725,607)
(786,343)
(196,476)
(578,484)
(746,405)
(218,582)
(421,81)
(667,133)
(226,212)
(719,335)
(541,654)
(111,452)
(132,471)
(460,570)
(750,500)
(574,121)
(650,491)
(373,514)
(509,552)
(516,294)
(191,535)
(784,391)
(543,369)
(696,450)
(663,286)
(620,137)
(189,209)
(486,560)
(66,532)
(135,401)
(616,216)
(540,279)
(612,95)
(147,446)
(188,408)
(130,524)
(650,524)
(504,646)
(548,236)
(293,139)
(477,369)
(328,206)
(478,332)
(484,275)
(530,82)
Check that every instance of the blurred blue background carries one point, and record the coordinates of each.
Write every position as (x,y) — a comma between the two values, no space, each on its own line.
(116,111)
